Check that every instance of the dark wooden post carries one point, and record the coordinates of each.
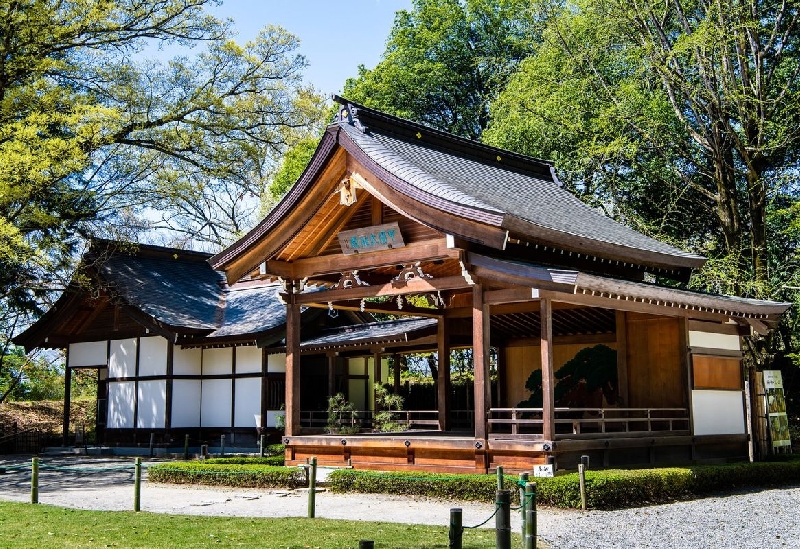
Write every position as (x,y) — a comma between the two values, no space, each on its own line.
(331,373)
(480,353)
(622,358)
(548,380)
(376,376)
(443,383)
(292,362)
(67,399)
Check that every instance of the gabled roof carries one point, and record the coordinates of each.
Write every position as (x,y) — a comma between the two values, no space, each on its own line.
(443,180)
(174,290)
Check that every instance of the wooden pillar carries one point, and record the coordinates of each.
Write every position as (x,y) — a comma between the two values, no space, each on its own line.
(622,358)
(480,353)
(548,380)
(67,399)
(443,383)
(331,373)
(292,363)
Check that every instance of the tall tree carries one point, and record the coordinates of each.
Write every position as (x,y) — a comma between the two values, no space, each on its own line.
(705,93)
(446,60)
(96,139)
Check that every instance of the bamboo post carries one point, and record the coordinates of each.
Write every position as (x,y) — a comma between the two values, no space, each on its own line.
(456,529)
(186,446)
(499,477)
(503,520)
(262,442)
(312,487)
(137,484)
(582,480)
(35,480)
(523,501)
(222,446)
(530,519)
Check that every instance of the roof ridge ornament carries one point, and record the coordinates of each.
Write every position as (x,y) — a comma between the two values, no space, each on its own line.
(349,114)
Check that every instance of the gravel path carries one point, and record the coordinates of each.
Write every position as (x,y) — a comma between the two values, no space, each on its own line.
(762,519)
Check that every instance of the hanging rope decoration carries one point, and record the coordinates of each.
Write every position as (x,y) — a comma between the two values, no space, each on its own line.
(363,302)
(333,313)
(399,302)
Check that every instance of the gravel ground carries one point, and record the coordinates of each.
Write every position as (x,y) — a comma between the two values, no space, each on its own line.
(758,519)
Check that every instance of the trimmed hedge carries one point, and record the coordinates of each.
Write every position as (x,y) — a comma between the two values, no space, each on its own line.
(221,474)
(609,489)
(275,461)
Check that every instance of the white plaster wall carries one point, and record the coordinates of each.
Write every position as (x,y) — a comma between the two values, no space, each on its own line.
(93,353)
(272,417)
(217,361)
(215,407)
(248,360)
(185,403)
(356,366)
(709,340)
(276,363)
(385,369)
(122,359)
(152,404)
(356,393)
(247,412)
(152,356)
(120,405)
(187,361)
(718,412)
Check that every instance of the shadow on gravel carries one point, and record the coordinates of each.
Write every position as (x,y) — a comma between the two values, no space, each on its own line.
(66,473)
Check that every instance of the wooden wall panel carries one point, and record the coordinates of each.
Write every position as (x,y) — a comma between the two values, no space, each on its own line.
(654,362)
(714,372)
(521,360)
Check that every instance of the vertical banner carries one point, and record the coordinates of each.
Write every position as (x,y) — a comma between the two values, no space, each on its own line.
(776,409)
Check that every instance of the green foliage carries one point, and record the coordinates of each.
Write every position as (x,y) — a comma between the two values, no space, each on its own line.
(446,60)
(610,489)
(388,404)
(227,474)
(592,372)
(341,416)
(276,460)
(292,165)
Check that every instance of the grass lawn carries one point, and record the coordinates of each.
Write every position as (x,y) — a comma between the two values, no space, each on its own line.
(27,526)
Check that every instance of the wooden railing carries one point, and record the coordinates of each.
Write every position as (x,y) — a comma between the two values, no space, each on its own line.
(363,419)
(590,421)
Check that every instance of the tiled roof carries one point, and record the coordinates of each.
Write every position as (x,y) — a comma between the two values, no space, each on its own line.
(175,287)
(363,333)
(456,174)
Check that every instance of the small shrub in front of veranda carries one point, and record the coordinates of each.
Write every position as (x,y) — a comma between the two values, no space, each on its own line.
(277,461)
(222,474)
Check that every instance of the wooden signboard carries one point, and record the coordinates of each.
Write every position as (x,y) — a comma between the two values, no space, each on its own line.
(776,409)
(371,239)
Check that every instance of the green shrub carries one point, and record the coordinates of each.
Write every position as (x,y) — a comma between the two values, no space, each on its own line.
(463,487)
(276,461)
(226,474)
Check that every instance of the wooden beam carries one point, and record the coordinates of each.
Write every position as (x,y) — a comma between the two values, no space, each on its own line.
(67,399)
(431,250)
(510,295)
(443,382)
(382,308)
(480,354)
(413,286)
(622,357)
(548,379)
(292,364)
(331,372)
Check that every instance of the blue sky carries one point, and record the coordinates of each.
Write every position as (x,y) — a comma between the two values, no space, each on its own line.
(335,36)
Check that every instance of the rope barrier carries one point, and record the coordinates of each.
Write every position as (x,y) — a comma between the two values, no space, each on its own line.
(12,467)
(496,509)
(85,469)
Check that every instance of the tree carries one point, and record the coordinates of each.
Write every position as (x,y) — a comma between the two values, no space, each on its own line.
(703,93)
(95,139)
(445,61)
